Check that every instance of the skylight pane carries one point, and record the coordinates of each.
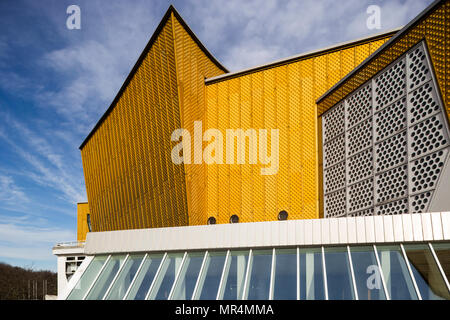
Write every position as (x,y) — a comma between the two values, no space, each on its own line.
(188,276)
(396,275)
(145,277)
(338,272)
(106,277)
(234,275)
(210,278)
(87,278)
(259,277)
(442,251)
(166,277)
(285,282)
(367,274)
(125,277)
(311,275)
(426,273)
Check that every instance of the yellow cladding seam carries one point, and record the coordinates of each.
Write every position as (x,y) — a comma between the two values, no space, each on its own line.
(235,173)
(130,178)
(283,98)
(435,29)
(82,226)
(270,122)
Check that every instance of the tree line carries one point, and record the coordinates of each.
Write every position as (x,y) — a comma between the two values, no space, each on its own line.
(18,283)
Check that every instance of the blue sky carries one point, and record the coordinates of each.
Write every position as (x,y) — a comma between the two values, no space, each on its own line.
(55,83)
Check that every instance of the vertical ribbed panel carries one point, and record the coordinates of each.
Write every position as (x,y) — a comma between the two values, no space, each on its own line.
(193,66)
(130,178)
(283,98)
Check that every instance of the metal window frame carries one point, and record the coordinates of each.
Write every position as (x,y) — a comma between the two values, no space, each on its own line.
(272,275)
(177,276)
(158,271)
(245,289)
(115,277)
(225,271)
(350,261)
(298,273)
(324,271)
(135,277)
(441,270)
(76,278)
(419,296)
(200,273)
(96,278)
(380,270)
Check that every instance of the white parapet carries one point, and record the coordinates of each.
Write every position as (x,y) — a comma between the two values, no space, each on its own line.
(315,232)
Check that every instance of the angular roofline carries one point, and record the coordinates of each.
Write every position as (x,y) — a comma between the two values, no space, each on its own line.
(302,56)
(399,34)
(147,48)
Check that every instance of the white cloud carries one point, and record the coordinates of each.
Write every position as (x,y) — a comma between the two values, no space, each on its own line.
(271,30)
(10,193)
(29,242)
(30,235)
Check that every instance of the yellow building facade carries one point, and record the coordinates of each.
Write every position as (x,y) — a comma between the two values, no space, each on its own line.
(82,220)
(131,180)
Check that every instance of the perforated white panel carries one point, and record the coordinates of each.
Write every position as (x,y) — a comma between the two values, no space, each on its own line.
(386,144)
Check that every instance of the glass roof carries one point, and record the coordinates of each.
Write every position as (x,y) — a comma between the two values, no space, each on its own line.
(378,272)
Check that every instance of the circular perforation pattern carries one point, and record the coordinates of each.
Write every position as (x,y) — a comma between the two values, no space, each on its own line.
(427,136)
(363,213)
(360,195)
(392,184)
(390,85)
(418,69)
(423,103)
(334,178)
(420,202)
(334,151)
(359,138)
(391,152)
(426,171)
(394,207)
(359,106)
(360,166)
(335,204)
(390,120)
(333,122)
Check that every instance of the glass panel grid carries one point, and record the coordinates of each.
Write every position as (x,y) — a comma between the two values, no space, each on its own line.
(377,272)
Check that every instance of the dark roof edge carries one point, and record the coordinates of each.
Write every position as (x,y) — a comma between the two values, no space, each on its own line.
(147,48)
(405,29)
(302,56)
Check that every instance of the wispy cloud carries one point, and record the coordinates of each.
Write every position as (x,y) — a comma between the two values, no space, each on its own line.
(48,166)
(10,193)
(29,242)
